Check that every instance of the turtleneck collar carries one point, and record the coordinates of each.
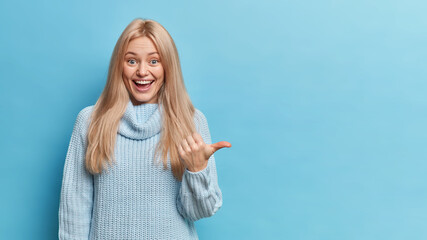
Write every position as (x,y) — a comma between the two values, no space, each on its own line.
(140,121)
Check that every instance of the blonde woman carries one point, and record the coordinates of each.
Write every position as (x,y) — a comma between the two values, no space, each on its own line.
(114,185)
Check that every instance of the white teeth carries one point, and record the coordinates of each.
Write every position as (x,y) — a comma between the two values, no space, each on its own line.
(143,82)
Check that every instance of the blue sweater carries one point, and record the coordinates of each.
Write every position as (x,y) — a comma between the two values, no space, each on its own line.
(134,198)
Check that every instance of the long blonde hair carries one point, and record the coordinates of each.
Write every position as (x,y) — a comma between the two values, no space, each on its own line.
(177,109)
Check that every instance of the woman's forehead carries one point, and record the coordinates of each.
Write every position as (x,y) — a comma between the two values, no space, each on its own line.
(141,45)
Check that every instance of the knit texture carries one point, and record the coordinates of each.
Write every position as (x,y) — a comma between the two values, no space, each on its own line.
(135,198)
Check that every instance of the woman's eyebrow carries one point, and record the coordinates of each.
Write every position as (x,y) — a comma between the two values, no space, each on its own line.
(151,53)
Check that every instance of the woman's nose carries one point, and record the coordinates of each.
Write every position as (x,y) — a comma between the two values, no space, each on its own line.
(142,70)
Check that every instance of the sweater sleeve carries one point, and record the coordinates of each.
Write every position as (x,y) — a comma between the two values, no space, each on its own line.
(199,195)
(76,200)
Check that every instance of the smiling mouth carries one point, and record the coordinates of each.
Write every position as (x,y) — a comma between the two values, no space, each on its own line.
(143,85)
(143,82)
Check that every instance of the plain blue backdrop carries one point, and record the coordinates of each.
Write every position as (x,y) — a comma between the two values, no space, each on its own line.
(324,103)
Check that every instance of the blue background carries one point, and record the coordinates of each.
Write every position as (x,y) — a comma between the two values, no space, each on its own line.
(324,103)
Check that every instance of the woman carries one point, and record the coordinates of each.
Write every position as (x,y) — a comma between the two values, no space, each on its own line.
(113,184)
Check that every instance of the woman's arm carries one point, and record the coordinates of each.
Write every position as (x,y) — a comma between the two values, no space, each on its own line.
(199,195)
(75,208)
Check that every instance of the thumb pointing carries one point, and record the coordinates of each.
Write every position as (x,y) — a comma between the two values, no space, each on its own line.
(216,146)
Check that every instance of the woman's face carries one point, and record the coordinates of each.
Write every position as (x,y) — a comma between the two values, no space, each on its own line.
(142,71)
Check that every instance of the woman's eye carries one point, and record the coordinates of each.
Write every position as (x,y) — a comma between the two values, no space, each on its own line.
(154,61)
(131,61)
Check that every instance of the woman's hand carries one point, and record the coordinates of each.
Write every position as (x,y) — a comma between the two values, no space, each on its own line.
(195,153)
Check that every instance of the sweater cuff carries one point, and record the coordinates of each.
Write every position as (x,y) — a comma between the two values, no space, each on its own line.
(198,172)
(198,183)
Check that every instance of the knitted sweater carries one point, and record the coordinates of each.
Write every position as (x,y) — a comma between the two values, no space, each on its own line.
(135,198)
